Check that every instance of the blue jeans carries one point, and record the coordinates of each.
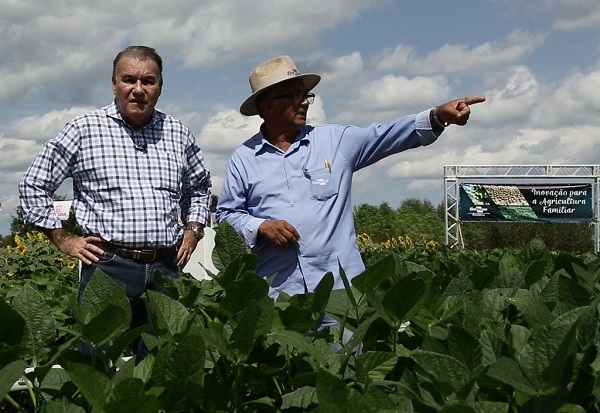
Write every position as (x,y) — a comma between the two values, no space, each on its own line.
(137,277)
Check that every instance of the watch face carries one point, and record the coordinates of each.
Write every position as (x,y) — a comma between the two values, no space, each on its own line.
(198,231)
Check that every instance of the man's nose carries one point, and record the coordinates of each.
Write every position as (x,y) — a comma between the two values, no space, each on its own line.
(137,87)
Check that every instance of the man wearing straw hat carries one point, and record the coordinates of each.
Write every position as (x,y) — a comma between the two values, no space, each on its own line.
(287,189)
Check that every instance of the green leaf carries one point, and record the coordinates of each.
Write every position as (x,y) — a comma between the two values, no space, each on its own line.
(262,404)
(143,370)
(544,359)
(491,347)
(186,361)
(9,375)
(170,318)
(338,304)
(62,406)
(333,394)
(536,270)
(138,404)
(570,408)
(322,293)
(483,276)
(127,387)
(464,347)
(375,274)
(491,407)
(409,385)
(509,275)
(215,338)
(347,286)
(40,326)
(518,338)
(128,396)
(107,325)
(566,292)
(374,365)
(532,308)
(298,341)
(300,399)
(183,396)
(240,292)
(54,380)
(442,368)
(509,372)
(12,325)
(101,292)
(242,265)
(121,343)
(297,314)
(494,302)
(93,385)
(229,246)
(255,321)
(458,408)
(403,299)
(357,338)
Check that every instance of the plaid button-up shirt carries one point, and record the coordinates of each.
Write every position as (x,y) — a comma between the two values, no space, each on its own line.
(131,187)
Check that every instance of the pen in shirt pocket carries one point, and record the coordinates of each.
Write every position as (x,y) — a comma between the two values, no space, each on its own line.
(327,165)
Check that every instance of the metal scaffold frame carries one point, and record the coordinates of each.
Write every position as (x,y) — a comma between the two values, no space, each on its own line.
(513,174)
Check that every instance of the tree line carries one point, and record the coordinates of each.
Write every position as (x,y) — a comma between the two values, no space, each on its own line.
(420,219)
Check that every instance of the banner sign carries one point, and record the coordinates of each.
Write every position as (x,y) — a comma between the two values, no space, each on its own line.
(526,203)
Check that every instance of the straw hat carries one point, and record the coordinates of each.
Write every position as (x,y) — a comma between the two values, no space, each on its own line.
(270,73)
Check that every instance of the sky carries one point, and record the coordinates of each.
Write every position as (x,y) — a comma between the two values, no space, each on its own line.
(537,62)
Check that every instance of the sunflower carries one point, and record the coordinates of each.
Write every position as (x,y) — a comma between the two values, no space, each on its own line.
(431,245)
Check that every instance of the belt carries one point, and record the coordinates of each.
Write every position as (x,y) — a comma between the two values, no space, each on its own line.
(137,254)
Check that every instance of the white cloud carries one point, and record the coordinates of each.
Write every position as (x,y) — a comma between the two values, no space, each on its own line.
(9,204)
(460,58)
(578,14)
(391,97)
(46,126)
(571,102)
(227,130)
(342,70)
(511,102)
(70,43)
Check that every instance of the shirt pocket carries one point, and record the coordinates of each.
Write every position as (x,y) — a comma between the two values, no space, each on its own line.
(323,185)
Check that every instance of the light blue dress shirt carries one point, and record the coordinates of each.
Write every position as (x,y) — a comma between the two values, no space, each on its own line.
(309,186)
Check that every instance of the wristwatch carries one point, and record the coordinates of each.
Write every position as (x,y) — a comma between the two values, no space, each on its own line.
(436,123)
(198,230)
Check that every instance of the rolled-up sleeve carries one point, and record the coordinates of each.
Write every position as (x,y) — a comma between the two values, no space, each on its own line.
(195,200)
(44,176)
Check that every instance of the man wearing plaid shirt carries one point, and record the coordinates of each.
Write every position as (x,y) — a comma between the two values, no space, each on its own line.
(137,173)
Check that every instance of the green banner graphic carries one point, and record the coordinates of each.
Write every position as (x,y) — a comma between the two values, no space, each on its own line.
(519,203)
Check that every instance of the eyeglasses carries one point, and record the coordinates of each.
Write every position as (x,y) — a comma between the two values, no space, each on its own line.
(298,97)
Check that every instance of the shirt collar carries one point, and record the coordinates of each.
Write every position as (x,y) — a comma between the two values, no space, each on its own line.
(113,111)
(263,144)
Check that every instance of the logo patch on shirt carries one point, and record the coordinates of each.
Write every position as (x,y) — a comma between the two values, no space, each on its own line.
(320,181)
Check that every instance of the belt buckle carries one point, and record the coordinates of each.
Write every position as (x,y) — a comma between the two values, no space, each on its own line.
(141,255)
